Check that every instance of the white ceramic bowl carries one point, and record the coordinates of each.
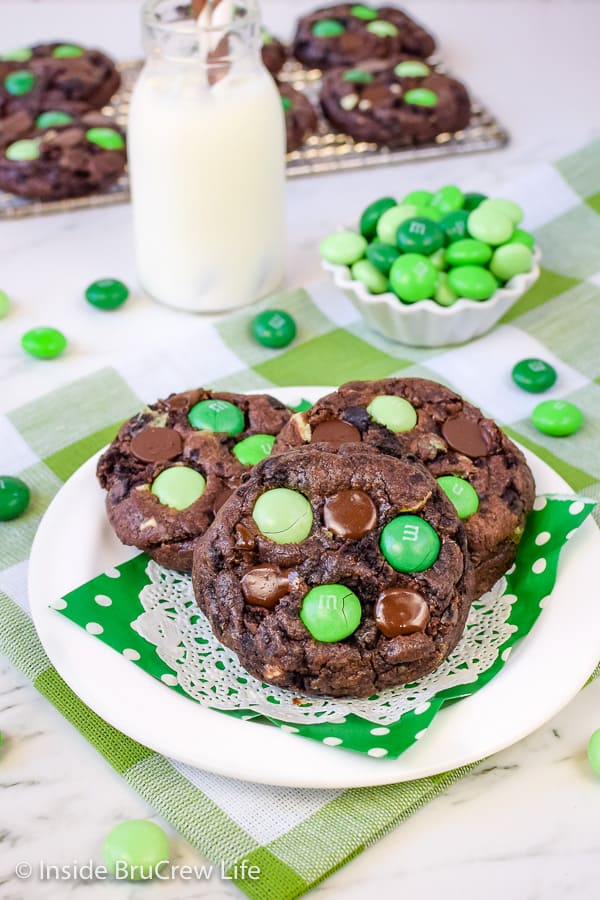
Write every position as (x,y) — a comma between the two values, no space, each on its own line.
(426,323)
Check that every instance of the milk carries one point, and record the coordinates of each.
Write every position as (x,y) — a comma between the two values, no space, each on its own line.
(207,181)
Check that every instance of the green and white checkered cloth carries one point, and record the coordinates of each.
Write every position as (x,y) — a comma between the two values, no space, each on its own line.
(302,836)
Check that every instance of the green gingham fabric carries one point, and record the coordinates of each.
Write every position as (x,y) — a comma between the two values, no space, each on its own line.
(302,836)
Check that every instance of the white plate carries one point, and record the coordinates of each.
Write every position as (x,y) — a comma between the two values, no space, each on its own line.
(74,543)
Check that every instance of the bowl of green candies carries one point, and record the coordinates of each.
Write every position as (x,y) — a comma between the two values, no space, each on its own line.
(434,268)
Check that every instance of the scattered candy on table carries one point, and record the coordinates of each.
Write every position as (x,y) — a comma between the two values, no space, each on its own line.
(135,849)
(44,343)
(4,304)
(558,418)
(439,246)
(534,375)
(593,751)
(107,293)
(273,328)
(14,497)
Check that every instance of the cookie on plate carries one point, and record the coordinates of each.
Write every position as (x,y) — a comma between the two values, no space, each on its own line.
(300,117)
(56,76)
(484,473)
(336,573)
(407,102)
(274,53)
(347,34)
(171,466)
(58,154)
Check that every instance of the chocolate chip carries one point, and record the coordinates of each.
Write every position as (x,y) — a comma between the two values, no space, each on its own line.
(399,611)
(357,416)
(465,435)
(335,432)
(350,514)
(264,586)
(156,445)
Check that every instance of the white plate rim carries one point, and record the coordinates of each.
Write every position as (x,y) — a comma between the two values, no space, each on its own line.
(168,723)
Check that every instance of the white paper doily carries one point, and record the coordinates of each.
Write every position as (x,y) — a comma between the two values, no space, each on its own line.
(211,673)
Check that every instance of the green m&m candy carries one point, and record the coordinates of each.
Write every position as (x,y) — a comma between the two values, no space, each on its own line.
(473,282)
(383,256)
(421,97)
(412,68)
(593,751)
(413,277)
(420,235)
(507,207)
(326,28)
(17,54)
(372,214)
(363,12)
(444,295)
(522,237)
(428,212)
(67,51)
(490,226)
(44,343)
(510,260)
(473,200)
(418,198)
(216,415)
(14,497)
(558,418)
(390,221)
(534,375)
(106,138)
(331,612)
(19,82)
(136,850)
(4,304)
(53,118)
(273,328)
(107,293)
(462,495)
(357,76)
(409,544)
(303,406)
(286,104)
(252,449)
(283,515)
(382,29)
(369,275)
(454,225)
(25,150)
(468,252)
(178,487)
(438,259)
(343,248)
(394,413)
(448,199)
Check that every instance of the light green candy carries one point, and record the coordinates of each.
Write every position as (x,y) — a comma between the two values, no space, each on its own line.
(382,29)
(593,751)
(394,413)
(391,220)
(473,282)
(284,516)
(374,280)
(67,51)
(23,151)
(343,248)
(421,97)
(462,495)
(507,207)
(438,259)
(490,226)
(134,849)
(178,487)
(444,295)
(448,199)
(4,304)
(412,68)
(510,260)
(418,198)
(429,212)
(17,54)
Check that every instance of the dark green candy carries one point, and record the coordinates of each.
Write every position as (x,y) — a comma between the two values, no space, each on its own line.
(534,375)
(219,416)
(331,612)
(420,235)
(357,76)
(273,328)
(326,28)
(383,256)
(286,103)
(409,544)
(473,200)
(372,214)
(454,225)
(107,293)
(14,497)
(19,82)
(52,119)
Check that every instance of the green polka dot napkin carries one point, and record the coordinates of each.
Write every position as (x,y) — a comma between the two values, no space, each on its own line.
(303,836)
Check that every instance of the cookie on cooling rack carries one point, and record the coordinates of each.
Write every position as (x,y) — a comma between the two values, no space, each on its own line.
(171,466)
(483,472)
(347,34)
(407,102)
(58,154)
(336,573)
(300,116)
(56,76)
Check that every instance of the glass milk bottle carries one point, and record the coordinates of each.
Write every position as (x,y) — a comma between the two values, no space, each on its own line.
(206,159)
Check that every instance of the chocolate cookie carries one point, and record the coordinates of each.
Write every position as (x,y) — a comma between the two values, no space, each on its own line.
(300,117)
(274,53)
(336,573)
(171,466)
(490,482)
(59,154)
(56,77)
(407,102)
(347,34)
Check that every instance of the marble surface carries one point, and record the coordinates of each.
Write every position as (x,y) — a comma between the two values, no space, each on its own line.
(526,823)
